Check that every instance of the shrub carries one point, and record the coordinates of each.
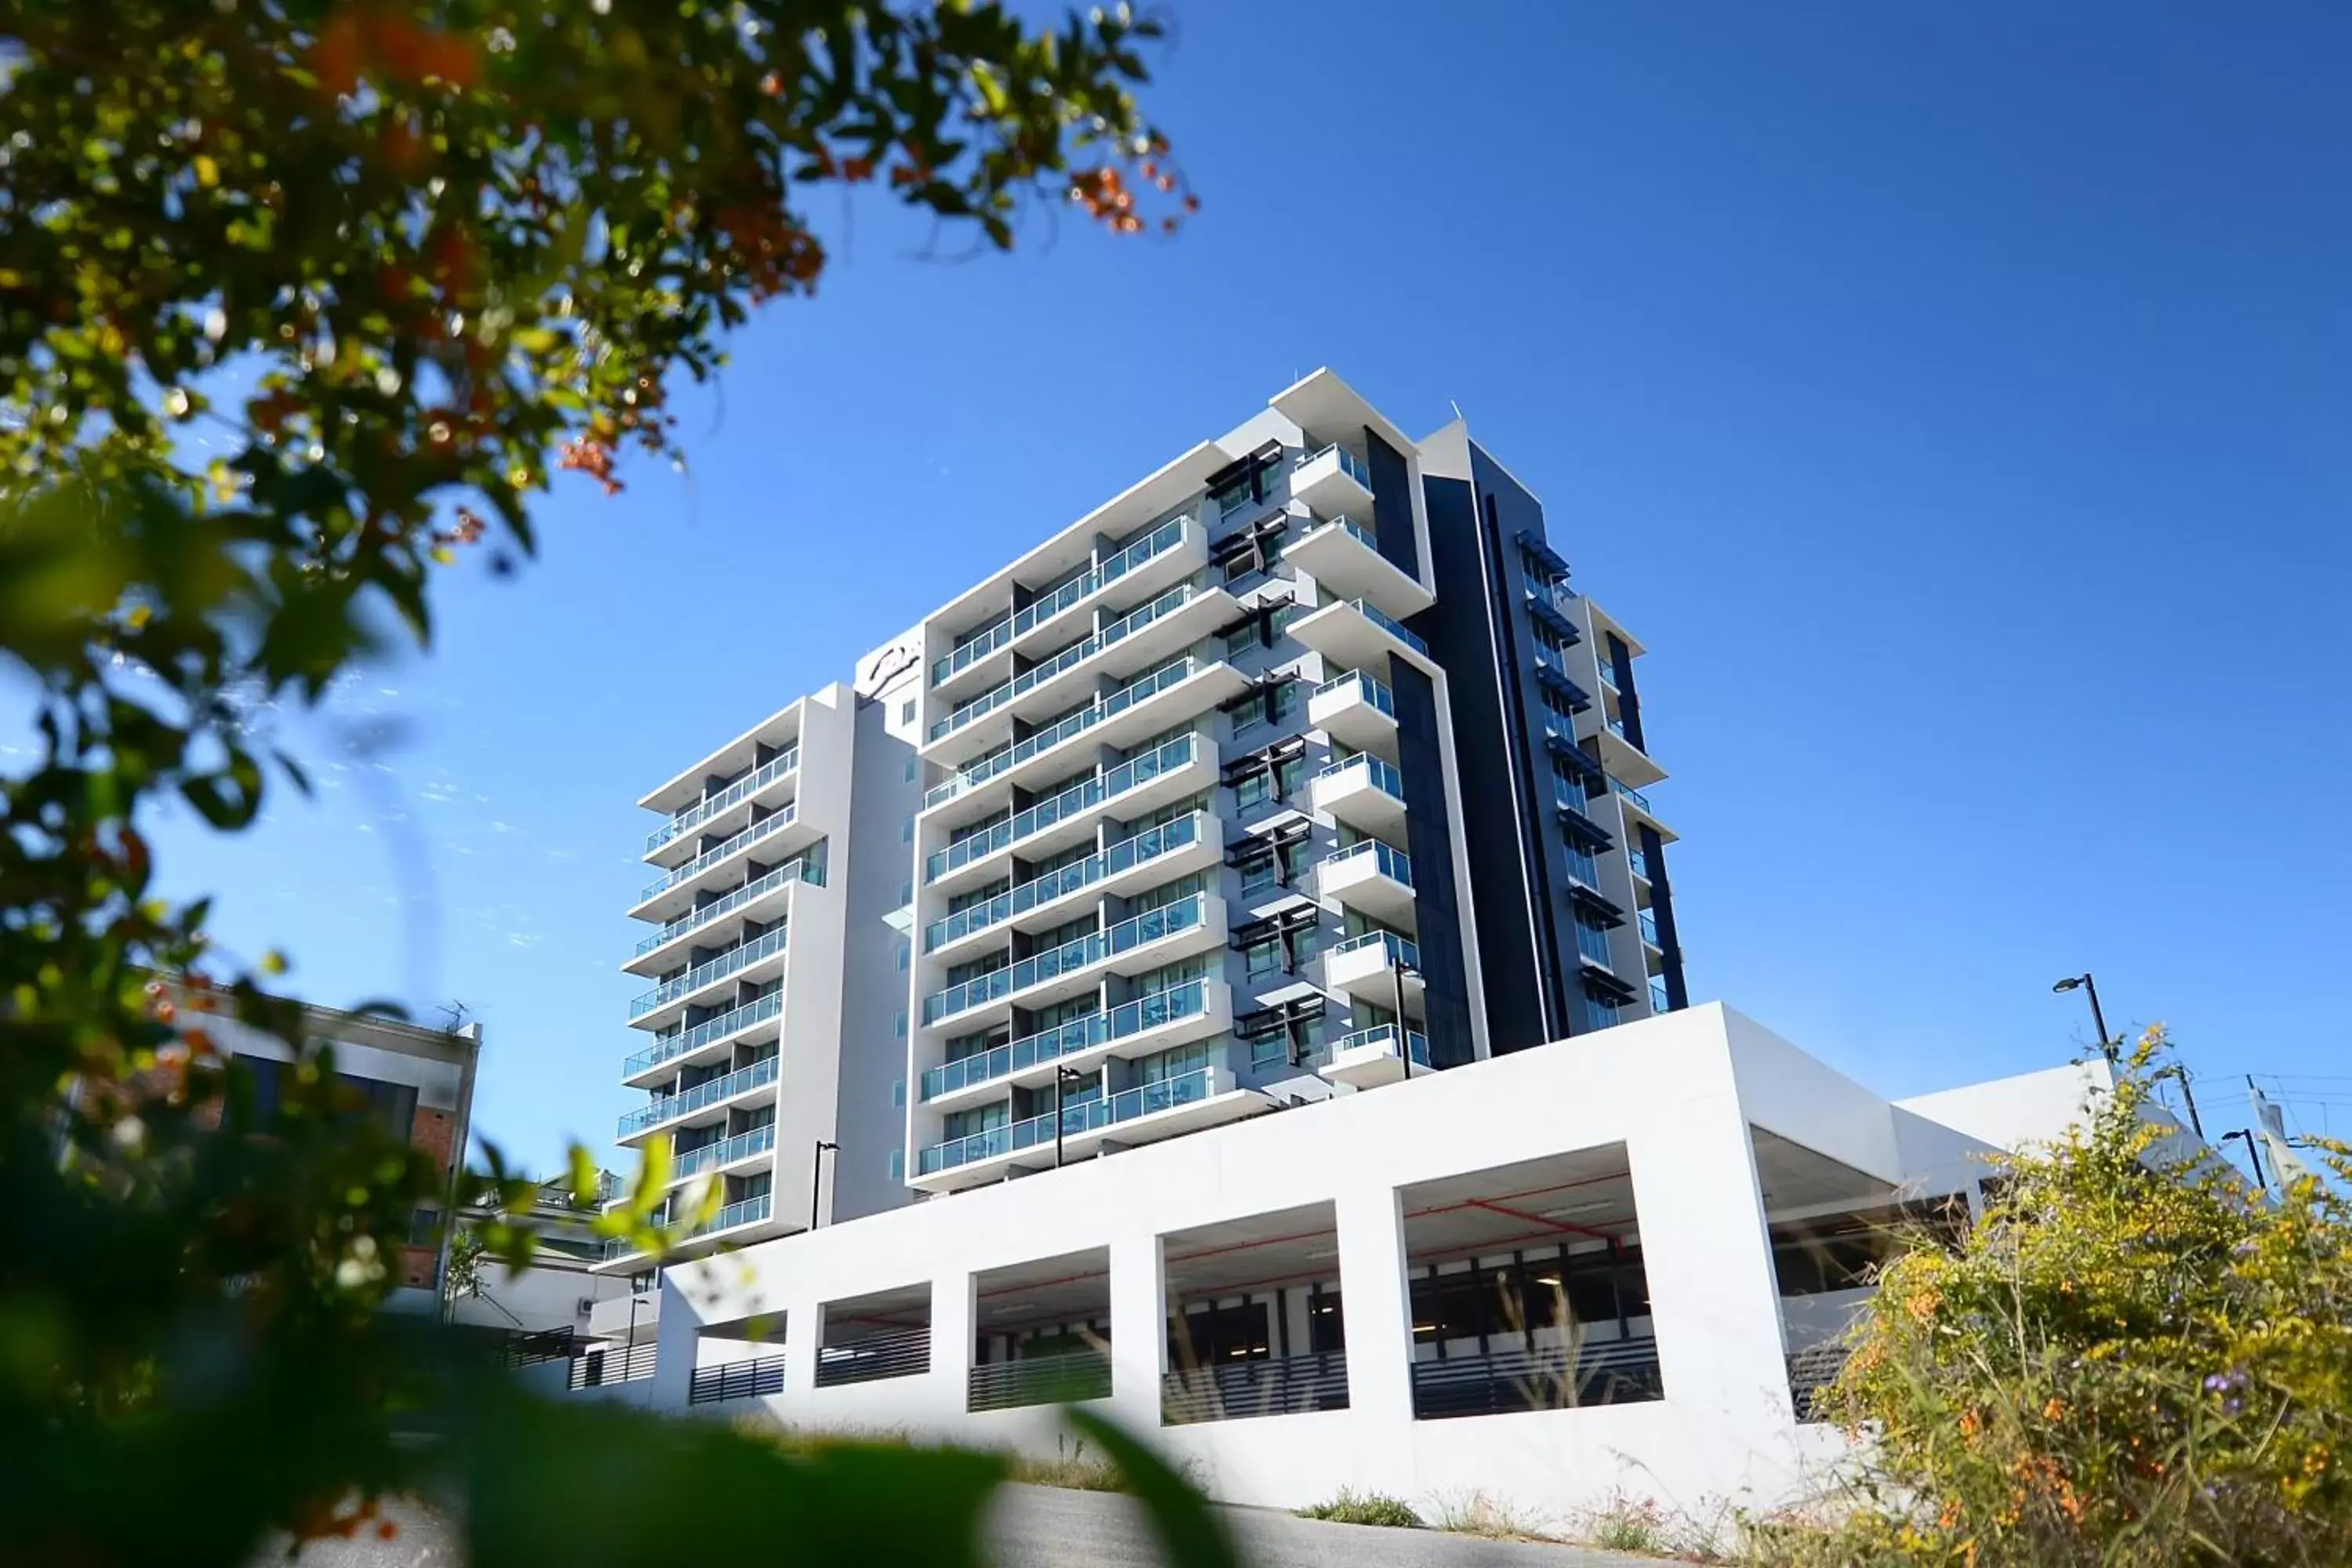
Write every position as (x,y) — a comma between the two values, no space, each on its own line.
(1481,1513)
(2131,1359)
(1352,1507)
(1623,1523)
(1071,1468)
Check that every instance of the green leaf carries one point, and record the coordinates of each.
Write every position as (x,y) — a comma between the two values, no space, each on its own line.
(1188,1527)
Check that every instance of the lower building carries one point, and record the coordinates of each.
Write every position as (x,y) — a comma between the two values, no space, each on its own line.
(1613,1262)
(418,1081)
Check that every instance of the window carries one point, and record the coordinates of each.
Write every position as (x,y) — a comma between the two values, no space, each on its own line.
(897,1164)
(907,711)
(1274,705)
(898,1092)
(899,1025)
(1581,865)
(911,766)
(1592,941)
(904,948)
(905,892)
(1263,958)
(907,831)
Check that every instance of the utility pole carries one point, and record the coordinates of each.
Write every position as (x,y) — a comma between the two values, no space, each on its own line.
(816,1176)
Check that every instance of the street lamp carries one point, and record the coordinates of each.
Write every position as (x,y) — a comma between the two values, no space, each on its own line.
(1398,969)
(816,1176)
(2175,1070)
(1062,1077)
(2098,1019)
(2253,1152)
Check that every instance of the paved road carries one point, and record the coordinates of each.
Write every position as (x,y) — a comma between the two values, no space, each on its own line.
(1045,1527)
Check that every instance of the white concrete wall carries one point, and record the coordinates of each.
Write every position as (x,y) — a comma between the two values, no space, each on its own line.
(1674,1090)
(808,1077)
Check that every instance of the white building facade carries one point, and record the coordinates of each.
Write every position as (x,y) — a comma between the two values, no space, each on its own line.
(1594,1267)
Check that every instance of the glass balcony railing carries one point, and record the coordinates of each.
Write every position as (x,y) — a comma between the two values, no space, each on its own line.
(1191,828)
(1082,796)
(740,956)
(1592,944)
(1379,773)
(1608,674)
(1157,541)
(1188,1000)
(1630,793)
(1393,863)
(1374,692)
(710,807)
(709,1031)
(1416,1044)
(1089,1116)
(1402,951)
(1070,657)
(669,1107)
(1185,914)
(1349,464)
(1649,924)
(1390,624)
(799,869)
(744,1211)
(1360,533)
(777,823)
(726,1152)
(1076,724)
(1640,862)
(1659,1001)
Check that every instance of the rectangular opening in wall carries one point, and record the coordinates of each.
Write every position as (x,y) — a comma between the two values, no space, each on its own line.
(1528,1288)
(1041,1332)
(1253,1320)
(866,1338)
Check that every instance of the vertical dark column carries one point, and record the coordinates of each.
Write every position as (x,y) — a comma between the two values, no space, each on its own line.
(1461,629)
(1620,665)
(1392,504)
(1429,840)
(1662,910)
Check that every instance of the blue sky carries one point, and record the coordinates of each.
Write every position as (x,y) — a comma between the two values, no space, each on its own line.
(1954,399)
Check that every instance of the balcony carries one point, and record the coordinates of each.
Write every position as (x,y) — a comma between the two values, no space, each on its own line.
(1149,564)
(1370,1057)
(1623,758)
(763,898)
(1190,843)
(1344,557)
(1188,685)
(1638,863)
(1361,791)
(1202,1097)
(1189,1011)
(1369,877)
(1640,804)
(1660,1001)
(762,957)
(1647,922)
(718,1091)
(1379,966)
(1356,710)
(1155,630)
(1182,767)
(1155,937)
(1333,481)
(742,791)
(1357,635)
(674,894)
(707,1035)
(725,1153)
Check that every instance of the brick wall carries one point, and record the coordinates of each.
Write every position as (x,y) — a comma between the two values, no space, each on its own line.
(435,1131)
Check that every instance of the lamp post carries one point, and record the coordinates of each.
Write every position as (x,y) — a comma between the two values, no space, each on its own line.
(2252,1153)
(816,1176)
(1398,969)
(2181,1073)
(2098,1019)
(1062,1077)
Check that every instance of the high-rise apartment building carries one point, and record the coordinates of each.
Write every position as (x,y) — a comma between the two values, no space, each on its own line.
(1295,769)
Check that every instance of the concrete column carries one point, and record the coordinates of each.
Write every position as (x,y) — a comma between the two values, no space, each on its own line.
(1138,1330)
(1714,1300)
(954,1313)
(803,1329)
(678,1333)
(1376,1305)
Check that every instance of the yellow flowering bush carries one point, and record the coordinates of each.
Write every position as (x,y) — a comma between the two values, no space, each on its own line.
(2134,1357)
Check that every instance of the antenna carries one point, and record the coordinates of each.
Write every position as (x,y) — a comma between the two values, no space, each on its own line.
(455,1012)
(1456,406)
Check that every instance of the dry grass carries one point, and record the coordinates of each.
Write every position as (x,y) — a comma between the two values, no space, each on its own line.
(1352,1507)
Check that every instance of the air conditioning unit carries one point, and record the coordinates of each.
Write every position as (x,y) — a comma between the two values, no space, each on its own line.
(585,1305)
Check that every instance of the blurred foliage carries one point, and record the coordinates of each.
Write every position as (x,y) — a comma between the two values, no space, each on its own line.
(2132,1359)
(297,298)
